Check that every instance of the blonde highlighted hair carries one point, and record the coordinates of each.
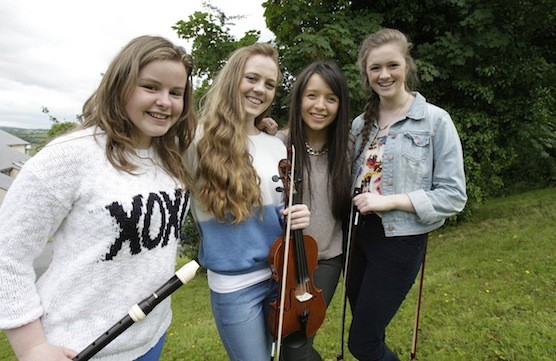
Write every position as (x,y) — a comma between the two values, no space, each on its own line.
(227,184)
(106,107)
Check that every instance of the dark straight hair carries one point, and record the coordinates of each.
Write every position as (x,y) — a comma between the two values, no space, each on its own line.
(339,181)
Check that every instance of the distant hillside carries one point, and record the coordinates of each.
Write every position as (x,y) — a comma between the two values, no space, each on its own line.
(33,136)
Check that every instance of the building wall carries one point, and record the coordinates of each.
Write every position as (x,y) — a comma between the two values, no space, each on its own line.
(20,148)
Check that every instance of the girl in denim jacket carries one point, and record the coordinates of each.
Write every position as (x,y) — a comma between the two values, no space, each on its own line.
(408,163)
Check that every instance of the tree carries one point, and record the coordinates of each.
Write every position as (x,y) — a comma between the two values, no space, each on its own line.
(58,128)
(489,63)
(212,41)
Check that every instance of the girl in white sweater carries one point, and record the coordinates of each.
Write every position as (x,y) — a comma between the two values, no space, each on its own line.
(111,196)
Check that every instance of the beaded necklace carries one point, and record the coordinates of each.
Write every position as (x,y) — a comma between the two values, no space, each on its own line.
(312,151)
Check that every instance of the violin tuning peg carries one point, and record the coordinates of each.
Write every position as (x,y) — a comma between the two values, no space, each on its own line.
(275,178)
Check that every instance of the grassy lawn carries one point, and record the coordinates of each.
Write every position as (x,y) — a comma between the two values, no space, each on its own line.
(488,295)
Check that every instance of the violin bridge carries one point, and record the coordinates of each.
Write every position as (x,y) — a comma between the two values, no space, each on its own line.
(304,297)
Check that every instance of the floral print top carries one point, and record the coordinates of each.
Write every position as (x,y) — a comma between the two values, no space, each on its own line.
(369,177)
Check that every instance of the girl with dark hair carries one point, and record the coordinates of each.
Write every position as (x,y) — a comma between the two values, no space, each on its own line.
(318,127)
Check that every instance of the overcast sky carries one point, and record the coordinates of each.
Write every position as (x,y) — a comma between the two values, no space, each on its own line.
(52,53)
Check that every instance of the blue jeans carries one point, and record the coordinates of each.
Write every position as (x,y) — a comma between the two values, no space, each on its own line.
(154,353)
(381,273)
(241,321)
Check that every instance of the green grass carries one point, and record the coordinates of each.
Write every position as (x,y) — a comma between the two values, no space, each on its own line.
(489,294)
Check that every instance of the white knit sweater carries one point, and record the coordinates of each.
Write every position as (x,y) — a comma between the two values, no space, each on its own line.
(114,243)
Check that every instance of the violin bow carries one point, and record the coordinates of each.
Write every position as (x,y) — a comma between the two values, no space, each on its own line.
(353,221)
(418,310)
(278,344)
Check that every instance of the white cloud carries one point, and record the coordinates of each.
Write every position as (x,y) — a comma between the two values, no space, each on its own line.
(52,53)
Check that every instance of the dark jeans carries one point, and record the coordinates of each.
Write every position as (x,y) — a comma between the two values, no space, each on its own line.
(381,273)
(326,278)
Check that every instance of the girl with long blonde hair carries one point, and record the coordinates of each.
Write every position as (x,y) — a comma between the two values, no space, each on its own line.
(236,206)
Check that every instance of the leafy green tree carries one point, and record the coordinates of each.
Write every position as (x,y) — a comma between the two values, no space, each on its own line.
(489,63)
(212,41)
(57,128)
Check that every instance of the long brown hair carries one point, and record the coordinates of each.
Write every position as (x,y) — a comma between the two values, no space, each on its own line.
(227,184)
(106,107)
(373,41)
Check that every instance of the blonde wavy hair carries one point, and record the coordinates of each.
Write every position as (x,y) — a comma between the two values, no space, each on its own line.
(106,107)
(227,183)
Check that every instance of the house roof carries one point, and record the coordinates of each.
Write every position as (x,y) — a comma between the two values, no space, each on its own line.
(5,181)
(11,158)
(10,140)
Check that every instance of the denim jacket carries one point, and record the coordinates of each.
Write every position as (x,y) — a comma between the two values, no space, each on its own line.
(423,158)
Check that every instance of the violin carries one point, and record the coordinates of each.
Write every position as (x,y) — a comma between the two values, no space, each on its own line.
(300,308)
